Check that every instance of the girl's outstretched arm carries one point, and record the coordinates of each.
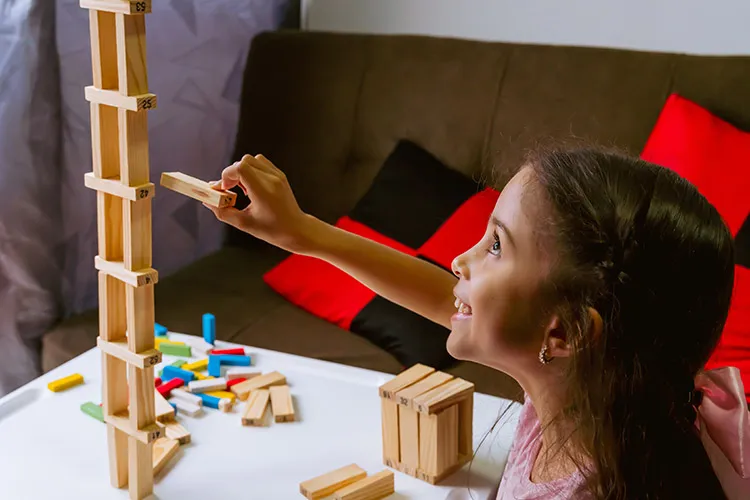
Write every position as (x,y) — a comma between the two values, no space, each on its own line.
(274,216)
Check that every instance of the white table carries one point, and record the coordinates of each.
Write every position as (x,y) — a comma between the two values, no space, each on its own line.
(50,449)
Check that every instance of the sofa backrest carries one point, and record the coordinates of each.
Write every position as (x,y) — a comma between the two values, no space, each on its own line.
(328,108)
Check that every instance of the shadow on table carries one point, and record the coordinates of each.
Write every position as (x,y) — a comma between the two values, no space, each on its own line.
(18,402)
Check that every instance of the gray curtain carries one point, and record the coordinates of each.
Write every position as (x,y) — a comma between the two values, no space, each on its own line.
(30,216)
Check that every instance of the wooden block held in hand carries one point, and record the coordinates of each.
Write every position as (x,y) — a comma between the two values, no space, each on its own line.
(255,408)
(197,189)
(326,484)
(374,487)
(281,403)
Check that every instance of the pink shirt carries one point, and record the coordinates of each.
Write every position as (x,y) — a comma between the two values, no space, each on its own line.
(516,482)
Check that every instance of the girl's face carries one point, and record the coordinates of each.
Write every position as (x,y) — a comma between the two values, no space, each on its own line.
(500,320)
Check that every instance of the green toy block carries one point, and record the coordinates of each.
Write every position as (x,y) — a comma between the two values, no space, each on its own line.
(175,350)
(176,364)
(93,410)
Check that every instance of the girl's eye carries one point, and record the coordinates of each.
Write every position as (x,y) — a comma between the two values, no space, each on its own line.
(495,249)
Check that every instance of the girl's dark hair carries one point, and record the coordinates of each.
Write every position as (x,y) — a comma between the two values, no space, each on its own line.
(654,258)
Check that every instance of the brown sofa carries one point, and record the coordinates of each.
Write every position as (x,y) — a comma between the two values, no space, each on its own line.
(328,108)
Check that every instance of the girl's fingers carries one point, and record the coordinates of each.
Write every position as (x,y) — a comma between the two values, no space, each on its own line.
(265,161)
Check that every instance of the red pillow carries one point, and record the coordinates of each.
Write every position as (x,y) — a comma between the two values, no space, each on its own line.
(715,157)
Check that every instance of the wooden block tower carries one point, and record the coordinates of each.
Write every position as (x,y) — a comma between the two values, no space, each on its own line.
(119,102)
(427,423)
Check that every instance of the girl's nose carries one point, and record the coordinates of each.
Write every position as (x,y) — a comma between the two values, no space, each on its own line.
(459,266)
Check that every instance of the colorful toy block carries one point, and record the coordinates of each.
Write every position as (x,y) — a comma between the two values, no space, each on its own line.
(201,364)
(222,395)
(164,340)
(175,350)
(65,383)
(209,401)
(187,396)
(209,328)
(234,381)
(186,407)
(160,330)
(166,388)
(208,385)
(93,410)
(170,372)
(235,350)
(157,381)
(214,366)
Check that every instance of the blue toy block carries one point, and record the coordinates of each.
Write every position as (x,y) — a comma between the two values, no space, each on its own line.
(208,400)
(214,366)
(160,330)
(170,372)
(209,328)
(173,405)
(232,359)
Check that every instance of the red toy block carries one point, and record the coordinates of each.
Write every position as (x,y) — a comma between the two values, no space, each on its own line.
(235,381)
(166,388)
(234,350)
(157,382)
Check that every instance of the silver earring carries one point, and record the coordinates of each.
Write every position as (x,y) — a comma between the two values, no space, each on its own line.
(543,358)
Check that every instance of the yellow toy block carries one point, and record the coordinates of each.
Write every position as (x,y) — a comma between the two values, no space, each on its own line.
(200,376)
(201,364)
(65,382)
(223,395)
(161,340)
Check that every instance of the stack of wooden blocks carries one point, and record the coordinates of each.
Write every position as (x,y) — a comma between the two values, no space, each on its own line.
(427,423)
(119,101)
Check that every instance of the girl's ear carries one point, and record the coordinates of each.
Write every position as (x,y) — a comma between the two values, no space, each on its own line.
(557,342)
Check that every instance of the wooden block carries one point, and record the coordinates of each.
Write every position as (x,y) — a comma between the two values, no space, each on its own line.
(200,376)
(109,226)
(197,189)
(119,6)
(176,431)
(408,429)
(208,385)
(141,402)
(187,396)
(199,345)
(117,445)
(163,340)
(65,383)
(255,409)
(146,434)
(374,487)
(139,315)
(175,350)
(389,423)
(226,405)
(162,408)
(438,440)
(140,465)
(120,350)
(241,372)
(103,48)
(133,135)
(105,144)
(435,479)
(222,395)
(112,322)
(281,403)
(163,451)
(201,364)
(443,396)
(406,396)
(404,379)
(114,187)
(262,382)
(186,407)
(326,484)
(466,426)
(113,98)
(137,236)
(143,277)
(132,68)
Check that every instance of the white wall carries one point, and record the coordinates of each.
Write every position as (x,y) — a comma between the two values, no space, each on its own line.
(690,26)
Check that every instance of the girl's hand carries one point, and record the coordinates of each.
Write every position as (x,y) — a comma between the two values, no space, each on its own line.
(273,214)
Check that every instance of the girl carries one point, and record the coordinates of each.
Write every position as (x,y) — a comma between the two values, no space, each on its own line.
(601,285)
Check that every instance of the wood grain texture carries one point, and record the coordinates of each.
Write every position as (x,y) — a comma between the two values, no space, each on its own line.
(102,32)
(174,430)
(117,447)
(147,434)
(132,7)
(282,406)
(406,396)
(373,487)
(141,471)
(120,350)
(105,143)
(389,428)
(404,379)
(114,99)
(438,440)
(197,189)
(137,234)
(466,426)
(163,410)
(109,225)
(132,127)
(324,485)
(255,408)
(408,431)
(112,322)
(142,403)
(114,187)
(443,396)
(140,317)
(131,54)
(117,269)
(242,390)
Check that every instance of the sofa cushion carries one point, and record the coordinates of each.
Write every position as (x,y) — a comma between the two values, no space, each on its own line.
(414,202)
(715,157)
